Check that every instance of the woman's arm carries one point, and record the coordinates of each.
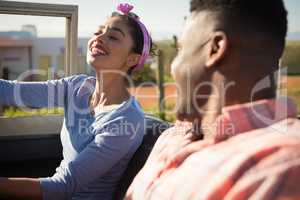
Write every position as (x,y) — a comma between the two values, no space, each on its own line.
(91,164)
(105,151)
(34,94)
(20,188)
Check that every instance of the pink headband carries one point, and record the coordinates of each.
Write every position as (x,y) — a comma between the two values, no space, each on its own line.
(125,9)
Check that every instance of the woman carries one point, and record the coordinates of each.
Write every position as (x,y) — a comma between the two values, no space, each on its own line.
(103,123)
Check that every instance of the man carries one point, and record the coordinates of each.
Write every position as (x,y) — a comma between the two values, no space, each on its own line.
(233,138)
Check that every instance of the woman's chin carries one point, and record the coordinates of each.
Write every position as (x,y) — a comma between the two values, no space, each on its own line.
(93,61)
(94,66)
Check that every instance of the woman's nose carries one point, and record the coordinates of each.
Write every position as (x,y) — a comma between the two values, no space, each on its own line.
(100,37)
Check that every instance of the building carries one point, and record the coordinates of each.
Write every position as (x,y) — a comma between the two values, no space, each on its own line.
(21,51)
(16,54)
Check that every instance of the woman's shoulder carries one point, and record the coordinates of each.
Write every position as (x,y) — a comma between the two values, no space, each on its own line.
(127,114)
(78,78)
(130,109)
(81,83)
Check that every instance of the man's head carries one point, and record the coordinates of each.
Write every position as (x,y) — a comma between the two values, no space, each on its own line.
(227,46)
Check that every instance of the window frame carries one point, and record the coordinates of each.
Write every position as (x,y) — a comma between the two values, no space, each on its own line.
(70,12)
(29,126)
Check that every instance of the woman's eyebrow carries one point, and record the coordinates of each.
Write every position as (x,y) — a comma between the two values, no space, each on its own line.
(114,29)
(118,29)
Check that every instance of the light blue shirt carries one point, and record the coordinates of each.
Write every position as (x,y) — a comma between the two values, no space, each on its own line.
(96,149)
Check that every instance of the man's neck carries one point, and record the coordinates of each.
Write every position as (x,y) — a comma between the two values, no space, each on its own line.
(207,123)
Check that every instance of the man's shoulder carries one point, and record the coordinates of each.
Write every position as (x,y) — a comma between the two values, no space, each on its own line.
(288,127)
(177,129)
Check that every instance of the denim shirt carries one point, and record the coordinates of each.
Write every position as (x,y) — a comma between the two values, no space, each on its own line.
(96,149)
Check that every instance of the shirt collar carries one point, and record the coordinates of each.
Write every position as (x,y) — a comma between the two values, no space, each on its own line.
(241,118)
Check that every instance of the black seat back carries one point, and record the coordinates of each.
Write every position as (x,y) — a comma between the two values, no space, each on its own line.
(154,127)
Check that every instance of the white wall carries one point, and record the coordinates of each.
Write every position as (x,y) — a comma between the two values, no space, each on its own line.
(16,59)
(54,47)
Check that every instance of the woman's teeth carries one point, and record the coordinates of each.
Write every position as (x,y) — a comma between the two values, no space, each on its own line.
(97,51)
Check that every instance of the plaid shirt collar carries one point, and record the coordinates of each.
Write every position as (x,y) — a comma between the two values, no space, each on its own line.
(242,118)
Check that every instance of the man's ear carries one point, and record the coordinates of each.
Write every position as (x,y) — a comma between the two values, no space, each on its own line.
(133,59)
(217,48)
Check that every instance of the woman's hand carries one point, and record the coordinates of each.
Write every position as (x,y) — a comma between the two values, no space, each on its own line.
(20,188)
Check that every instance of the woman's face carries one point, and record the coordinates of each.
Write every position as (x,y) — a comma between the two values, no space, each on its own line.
(111,47)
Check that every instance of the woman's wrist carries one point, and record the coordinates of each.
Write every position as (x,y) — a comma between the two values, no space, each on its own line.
(20,188)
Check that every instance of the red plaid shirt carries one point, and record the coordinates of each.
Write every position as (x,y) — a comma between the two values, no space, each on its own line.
(254,155)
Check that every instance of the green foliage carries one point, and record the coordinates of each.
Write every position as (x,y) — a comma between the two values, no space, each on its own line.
(168,47)
(169,51)
(11,112)
(294,93)
(291,57)
(168,79)
(144,75)
(169,115)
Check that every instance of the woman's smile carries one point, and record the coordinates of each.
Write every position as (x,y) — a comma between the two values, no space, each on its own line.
(97,49)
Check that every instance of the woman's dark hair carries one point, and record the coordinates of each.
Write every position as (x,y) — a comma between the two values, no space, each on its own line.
(137,36)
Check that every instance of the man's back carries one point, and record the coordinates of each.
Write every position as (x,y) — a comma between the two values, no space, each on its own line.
(259,162)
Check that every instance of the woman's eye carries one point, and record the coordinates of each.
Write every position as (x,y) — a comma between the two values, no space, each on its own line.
(98,33)
(113,38)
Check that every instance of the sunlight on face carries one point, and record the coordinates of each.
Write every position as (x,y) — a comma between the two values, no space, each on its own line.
(110,46)
(188,68)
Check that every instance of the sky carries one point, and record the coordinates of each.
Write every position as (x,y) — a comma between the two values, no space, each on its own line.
(162,17)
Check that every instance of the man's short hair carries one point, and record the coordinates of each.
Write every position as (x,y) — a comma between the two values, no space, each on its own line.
(266,17)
